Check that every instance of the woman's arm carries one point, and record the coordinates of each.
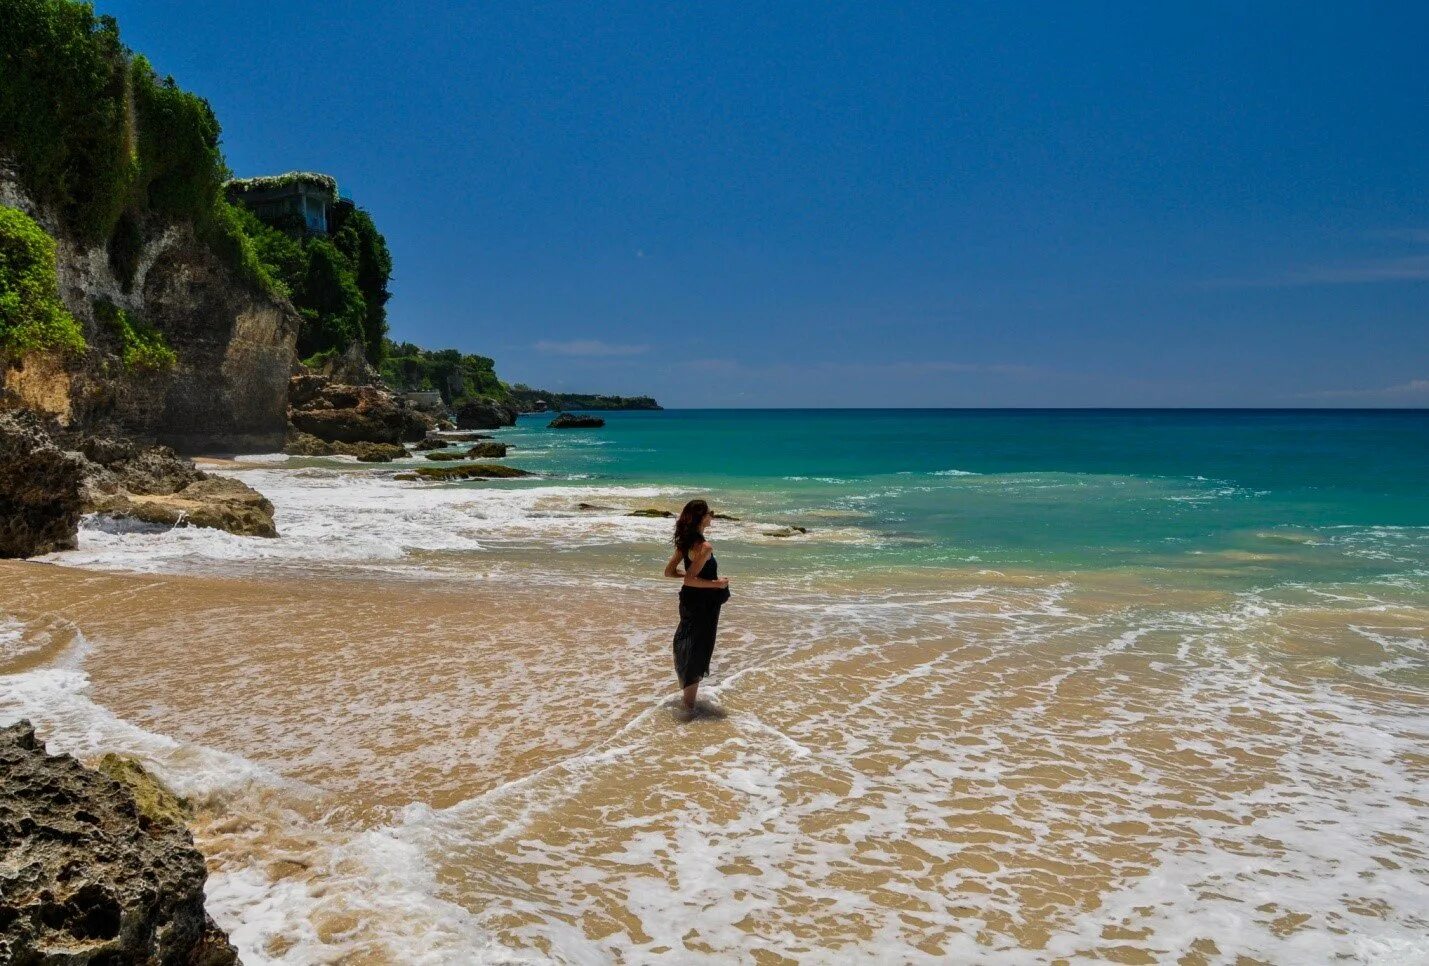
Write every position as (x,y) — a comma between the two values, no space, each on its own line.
(672,566)
(698,555)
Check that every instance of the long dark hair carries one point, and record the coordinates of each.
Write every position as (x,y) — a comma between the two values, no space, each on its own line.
(687,528)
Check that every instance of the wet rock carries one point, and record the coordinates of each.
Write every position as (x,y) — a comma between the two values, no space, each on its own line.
(593,507)
(215,502)
(788,531)
(572,421)
(446,455)
(650,512)
(485,414)
(41,489)
(469,471)
(87,876)
(486,451)
(306,444)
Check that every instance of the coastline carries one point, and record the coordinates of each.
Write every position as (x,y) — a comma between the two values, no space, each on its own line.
(434,721)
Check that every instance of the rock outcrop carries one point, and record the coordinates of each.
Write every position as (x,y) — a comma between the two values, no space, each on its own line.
(234,343)
(41,497)
(466,471)
(89,877)
(341,413)
(306,444)
(216,502)
(572,421)
(485,414)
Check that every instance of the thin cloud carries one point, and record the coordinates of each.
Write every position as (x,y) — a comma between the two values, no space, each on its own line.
(589,347)
(862,370)
(1414,387)
(1397,268)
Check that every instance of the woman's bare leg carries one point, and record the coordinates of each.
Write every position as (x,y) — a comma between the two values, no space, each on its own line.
(689,696)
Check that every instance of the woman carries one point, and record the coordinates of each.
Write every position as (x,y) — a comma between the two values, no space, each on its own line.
(702,594)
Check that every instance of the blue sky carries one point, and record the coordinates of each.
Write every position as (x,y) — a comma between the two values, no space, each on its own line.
(864,204)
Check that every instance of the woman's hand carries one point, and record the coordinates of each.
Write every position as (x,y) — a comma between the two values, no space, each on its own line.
(723,582)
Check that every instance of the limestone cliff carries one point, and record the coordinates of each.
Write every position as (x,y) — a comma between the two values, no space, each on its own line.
(234,343)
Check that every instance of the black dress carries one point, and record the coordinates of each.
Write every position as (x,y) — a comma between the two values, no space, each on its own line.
(699,619)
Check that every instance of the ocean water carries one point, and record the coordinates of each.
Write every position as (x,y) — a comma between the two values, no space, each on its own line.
(1034,686)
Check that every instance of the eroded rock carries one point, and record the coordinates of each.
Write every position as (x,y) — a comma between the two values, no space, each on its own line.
(41,498)
(86,876)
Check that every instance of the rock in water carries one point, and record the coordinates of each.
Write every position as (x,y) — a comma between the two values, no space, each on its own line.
(216,502)
(86,876)
(572,421)
(306,444)
(486,451)
(40,489)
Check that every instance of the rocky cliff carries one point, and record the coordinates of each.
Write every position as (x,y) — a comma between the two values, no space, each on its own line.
(96,869)
(234,343)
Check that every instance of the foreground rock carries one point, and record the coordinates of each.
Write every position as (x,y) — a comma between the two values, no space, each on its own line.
(40,489)
(340,413)
(572,421)
(87,876)
(481,451)
(467,471)
(306,444)
(215,502)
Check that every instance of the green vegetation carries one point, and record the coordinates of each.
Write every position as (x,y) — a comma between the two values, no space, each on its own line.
(525,397)
(32,317)
(98,137)
(141,346)
(456,376)
(269,182)
(338,283)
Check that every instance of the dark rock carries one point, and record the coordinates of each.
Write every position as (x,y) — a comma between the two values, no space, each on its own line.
(572,421)
(41,496)
(593,506)
(725,516)
(469,471)
(787,531)
(156,470)
(337,412)
(464,437)
(306,444)
(650,512)
(446,455)
(487,450)
(485,413)
(445,425)
(351,368)
(87,875)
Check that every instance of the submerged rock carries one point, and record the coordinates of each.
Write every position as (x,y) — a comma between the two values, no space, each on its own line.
(41,489)
(650,512)
(572,421)
(788,531)
(89,876)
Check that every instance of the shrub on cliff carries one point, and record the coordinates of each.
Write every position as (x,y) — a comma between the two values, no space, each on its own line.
(141,346)
(455,375)
(32,317)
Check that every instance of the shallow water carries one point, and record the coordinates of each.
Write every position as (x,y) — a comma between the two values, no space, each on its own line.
(1044,712)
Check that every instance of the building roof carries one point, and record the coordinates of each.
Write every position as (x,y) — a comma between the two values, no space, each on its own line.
(323,183)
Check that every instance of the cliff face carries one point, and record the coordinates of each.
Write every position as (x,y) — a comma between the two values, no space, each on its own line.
(234,342)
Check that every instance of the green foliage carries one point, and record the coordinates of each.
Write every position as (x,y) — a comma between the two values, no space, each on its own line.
(325,182)
(227,233)
(357,237)
(63,115)
(456,376)
(32,317)
(525,397)
(141,346)
(328,297)
(180,169)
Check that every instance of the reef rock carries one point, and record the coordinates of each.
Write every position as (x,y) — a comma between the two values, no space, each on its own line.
(485,414)
(650,512)
(89,877)
(572,421)
(466,471)
(337,412)
(41,497)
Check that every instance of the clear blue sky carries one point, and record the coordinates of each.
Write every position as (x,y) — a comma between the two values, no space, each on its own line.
(861,203)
